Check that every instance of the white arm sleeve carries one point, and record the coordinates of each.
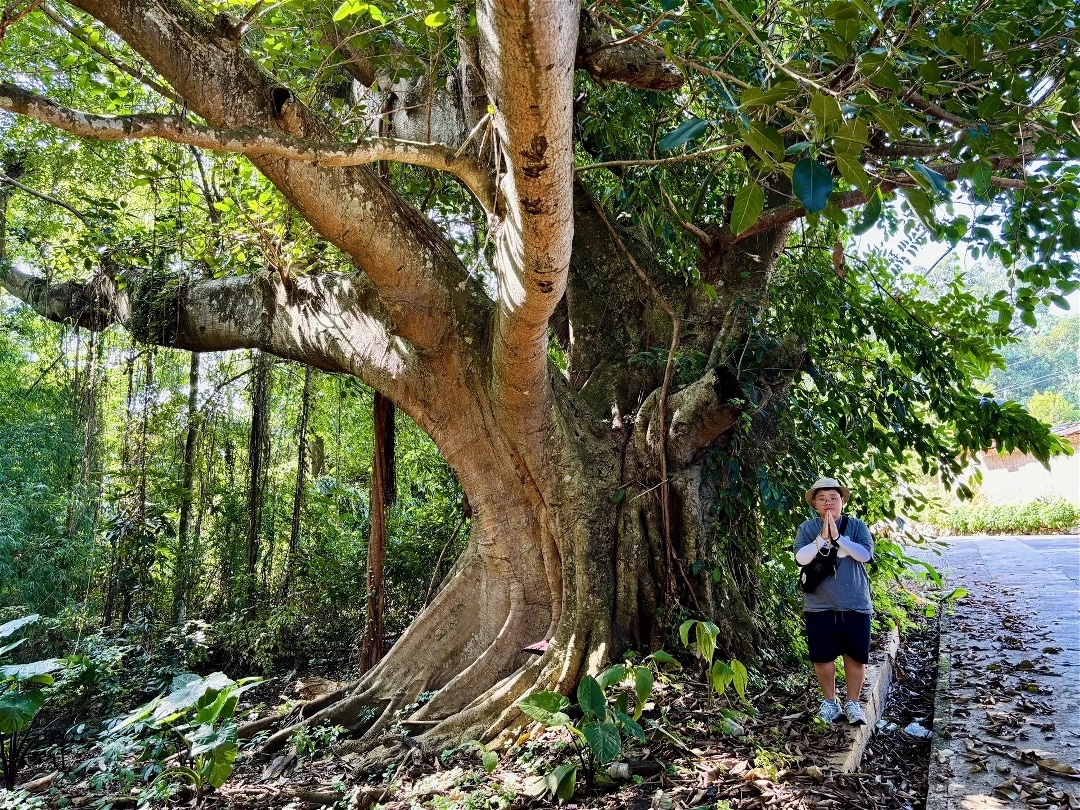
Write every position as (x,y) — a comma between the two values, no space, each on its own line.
(854,550)
(805,554)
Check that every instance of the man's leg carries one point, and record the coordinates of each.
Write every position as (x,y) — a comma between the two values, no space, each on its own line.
(826,678)
(854,675)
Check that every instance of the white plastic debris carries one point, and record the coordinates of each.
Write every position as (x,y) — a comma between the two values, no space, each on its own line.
(919,732)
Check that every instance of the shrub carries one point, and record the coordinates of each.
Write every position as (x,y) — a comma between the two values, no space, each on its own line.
(1057,515)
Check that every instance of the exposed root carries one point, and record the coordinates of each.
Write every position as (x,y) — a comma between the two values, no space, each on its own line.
(347,712)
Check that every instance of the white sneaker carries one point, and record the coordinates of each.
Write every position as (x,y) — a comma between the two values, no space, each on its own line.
(829,711)
(854,713)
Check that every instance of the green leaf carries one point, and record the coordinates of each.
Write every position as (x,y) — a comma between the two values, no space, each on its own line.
(846,21)
(871,213)
(7,628)
(812,184)
(851,169)
(591,698)
(214,705)
(764,140)
(619,495)
(562,781)
(931,179)
(665,659)
(436,19)
(348,9)
(851,138)
(31,671)
(955,593)
(706,639)
(220,765)
(731,727)
(923,207)
(206,739)
(684,631)
(740,677)
(631,726)
(684,133)
(18,709)
(188,690)
(869,13)
(490,760)
(755,97)
(643,686)
(826,111)
(981,176)
(749,203)
(546,708)
(720,676)
(888,120)
(604,740)
(612,675)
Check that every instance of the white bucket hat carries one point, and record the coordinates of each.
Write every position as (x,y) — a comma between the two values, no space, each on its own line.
(827,483)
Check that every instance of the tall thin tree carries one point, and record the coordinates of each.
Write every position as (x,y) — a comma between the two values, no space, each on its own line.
(298,491)
(383,496)
(258,450)
(187,494)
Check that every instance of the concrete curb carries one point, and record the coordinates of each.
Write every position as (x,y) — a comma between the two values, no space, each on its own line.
(879,675)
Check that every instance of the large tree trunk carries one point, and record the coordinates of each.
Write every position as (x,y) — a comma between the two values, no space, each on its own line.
(589,493)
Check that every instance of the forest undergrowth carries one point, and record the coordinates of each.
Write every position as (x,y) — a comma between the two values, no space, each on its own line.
(699,746)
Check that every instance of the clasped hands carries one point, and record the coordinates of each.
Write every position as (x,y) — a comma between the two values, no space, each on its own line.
(829,533)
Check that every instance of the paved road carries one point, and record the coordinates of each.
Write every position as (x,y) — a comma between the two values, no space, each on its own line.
(1009,689)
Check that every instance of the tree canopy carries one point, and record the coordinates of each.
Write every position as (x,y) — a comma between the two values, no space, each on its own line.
(597,253)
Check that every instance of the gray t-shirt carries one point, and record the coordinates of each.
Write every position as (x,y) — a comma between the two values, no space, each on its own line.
(850,588)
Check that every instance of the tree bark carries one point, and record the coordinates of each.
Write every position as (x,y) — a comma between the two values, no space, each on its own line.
(383,494)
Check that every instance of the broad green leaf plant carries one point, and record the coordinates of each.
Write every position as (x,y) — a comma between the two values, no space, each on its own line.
(606,723)
(22,697)
(719,674)
(199,712)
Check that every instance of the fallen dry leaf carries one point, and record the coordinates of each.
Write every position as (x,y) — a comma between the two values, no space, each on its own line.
(1060,768)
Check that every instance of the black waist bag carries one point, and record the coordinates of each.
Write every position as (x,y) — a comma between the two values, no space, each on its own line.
(822,566)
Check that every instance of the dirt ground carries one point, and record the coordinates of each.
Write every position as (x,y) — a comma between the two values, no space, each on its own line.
(782,761)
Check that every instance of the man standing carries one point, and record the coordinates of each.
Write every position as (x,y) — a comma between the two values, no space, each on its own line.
(838,610)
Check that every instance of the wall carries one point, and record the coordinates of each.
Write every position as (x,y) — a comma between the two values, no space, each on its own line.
(1019,478)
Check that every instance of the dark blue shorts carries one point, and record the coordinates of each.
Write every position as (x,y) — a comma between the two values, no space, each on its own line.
(830,633)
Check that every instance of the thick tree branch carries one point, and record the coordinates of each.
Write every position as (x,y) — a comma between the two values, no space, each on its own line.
(699,413)
(414,269)
(352,59)
(96,304)
(249,141)
(532,91)
(331,322)
(625,62)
